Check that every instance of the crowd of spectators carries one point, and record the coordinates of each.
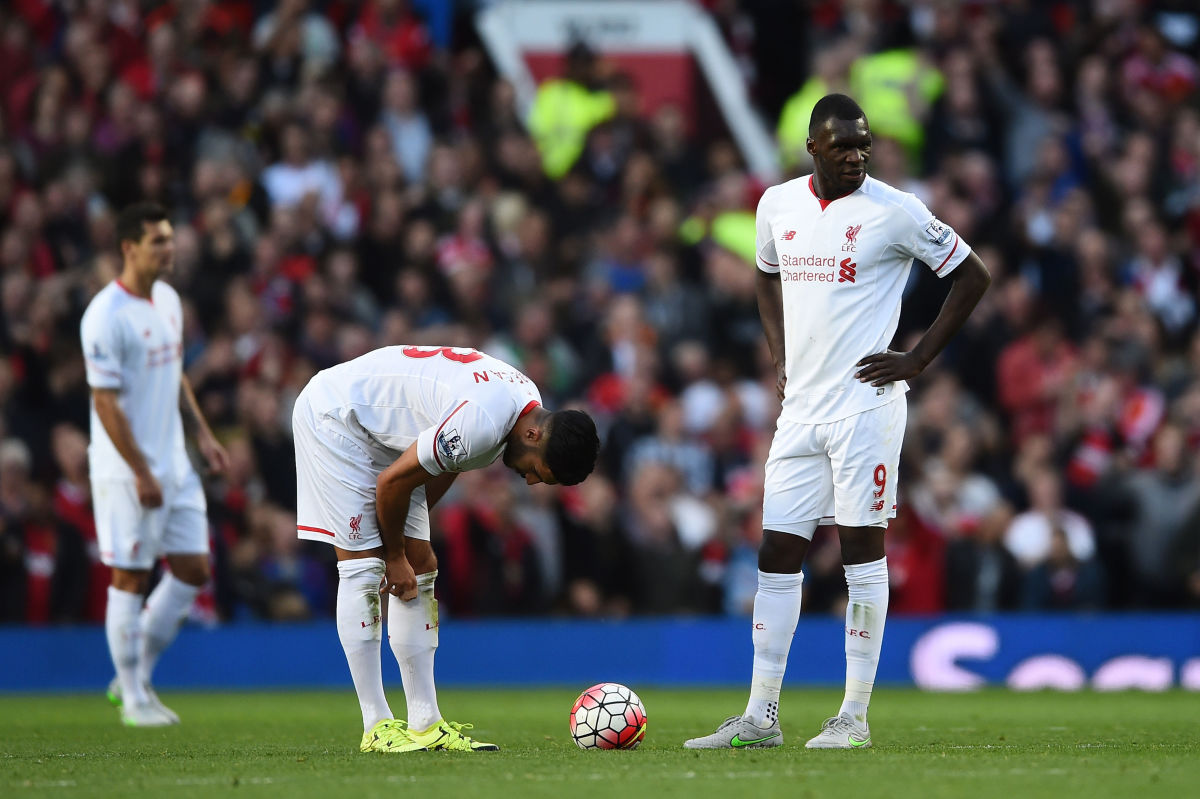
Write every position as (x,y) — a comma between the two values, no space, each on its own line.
(340,181)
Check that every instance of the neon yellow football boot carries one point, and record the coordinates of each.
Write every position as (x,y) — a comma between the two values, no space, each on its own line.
(449,736)
(390,735)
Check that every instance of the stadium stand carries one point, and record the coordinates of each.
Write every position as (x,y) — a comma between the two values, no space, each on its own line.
(340,179)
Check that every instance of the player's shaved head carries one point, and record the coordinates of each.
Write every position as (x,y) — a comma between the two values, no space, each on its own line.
(833,106)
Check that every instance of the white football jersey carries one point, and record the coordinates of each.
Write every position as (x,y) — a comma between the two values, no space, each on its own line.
(844,264)
(459,405)
(135,345)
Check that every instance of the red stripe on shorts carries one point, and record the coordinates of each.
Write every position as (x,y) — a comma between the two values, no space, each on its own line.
(315,530)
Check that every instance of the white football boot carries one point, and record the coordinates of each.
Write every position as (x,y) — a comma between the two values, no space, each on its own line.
(114,696)
(144,715)
(737,733)
(841,732)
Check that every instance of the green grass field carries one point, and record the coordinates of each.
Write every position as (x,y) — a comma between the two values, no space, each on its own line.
(298,745)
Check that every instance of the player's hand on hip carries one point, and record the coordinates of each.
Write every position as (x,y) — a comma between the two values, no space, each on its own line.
(214,454)
(400,579)
(888,367)
(149,491)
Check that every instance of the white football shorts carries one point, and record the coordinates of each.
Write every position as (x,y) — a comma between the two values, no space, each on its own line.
(335,487)
(135,537)
(841,472)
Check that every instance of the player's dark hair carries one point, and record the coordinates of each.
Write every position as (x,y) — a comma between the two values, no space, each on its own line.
(833,106)
(571,446)
(132,218)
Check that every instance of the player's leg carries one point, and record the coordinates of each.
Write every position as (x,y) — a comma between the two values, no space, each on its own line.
(360,628)
(798,495)
(335,504)
(866,614)
(185,541)
(165,610)
(168,606)
(865,452)
(413,636)
(127,535)
(413,625)
(776,613)
(123,630)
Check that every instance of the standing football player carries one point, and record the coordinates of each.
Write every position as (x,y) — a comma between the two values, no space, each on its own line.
(379,440)
(834,253)
(147,498)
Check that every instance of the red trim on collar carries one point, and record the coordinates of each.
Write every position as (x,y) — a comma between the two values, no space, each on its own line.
(133,293)
(532,404)
(825,203)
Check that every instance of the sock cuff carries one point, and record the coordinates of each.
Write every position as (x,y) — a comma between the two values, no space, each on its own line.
(361,567)
(427,579)
(124,600)
(178,589)
(771,581)
(867,573)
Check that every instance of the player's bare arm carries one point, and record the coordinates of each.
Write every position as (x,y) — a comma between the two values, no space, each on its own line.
(770,308)
(436,488)
(116,424)
(970,280)
(196,425)
(393,493)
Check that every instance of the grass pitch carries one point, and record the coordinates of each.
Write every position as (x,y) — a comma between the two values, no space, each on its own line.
(304,744)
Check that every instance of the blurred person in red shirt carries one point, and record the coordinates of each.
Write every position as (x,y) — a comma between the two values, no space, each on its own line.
(397,30)
(1033,373)
(489,559)
(73,509)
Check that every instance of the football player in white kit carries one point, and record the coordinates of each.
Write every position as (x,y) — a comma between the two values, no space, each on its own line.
(834,252)
(146,496)
(379,440)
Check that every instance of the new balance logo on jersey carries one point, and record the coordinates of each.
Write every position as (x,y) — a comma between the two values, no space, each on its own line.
(791,234)
(877,506)
(851,238)
(356,528)
(848,269)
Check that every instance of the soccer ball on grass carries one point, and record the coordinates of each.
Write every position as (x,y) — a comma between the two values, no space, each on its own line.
(608,716)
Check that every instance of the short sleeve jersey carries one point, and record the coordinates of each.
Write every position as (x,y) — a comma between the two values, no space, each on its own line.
(458,405)
(135,346)
(844,264)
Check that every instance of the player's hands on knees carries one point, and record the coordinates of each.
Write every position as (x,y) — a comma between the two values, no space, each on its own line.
(888,367)
(149,491)
(400,579)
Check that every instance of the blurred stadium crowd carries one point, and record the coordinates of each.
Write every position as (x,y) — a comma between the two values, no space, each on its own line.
(338,181)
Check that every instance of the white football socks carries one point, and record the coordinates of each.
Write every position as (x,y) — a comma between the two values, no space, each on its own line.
(413,635)
(776,611)
(866,612)
(124,633)
(360,629)
(165,611)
